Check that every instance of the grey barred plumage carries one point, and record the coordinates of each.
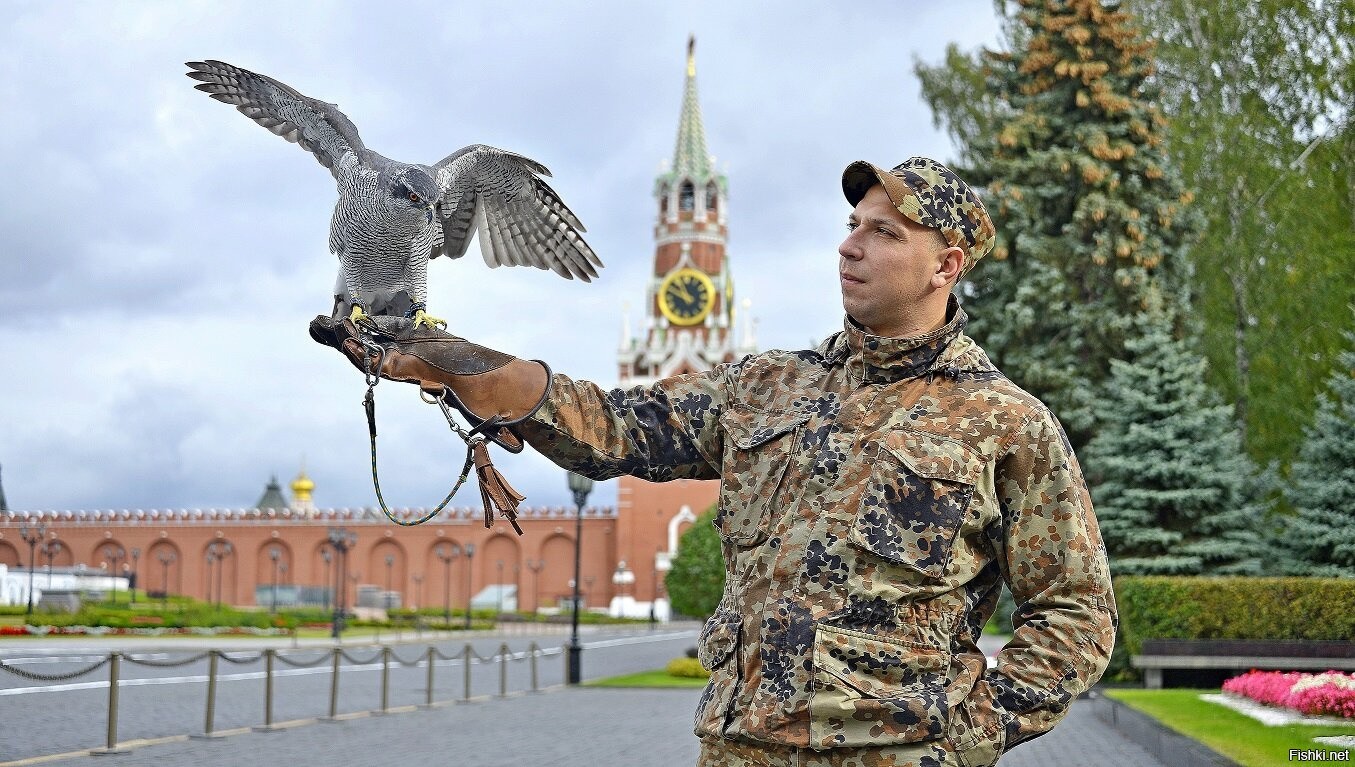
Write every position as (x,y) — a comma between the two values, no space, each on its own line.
(392,217)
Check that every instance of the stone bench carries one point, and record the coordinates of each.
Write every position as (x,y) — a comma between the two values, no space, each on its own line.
(1208,662)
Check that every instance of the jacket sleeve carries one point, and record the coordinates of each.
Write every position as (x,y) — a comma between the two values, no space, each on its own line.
(665,431)
(1052,558)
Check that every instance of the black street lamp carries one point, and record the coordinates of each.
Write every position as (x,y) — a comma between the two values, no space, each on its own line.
(447,553)
(498,588)
(114,554)
(470,554)
(131,583)
(49,550)
(325,556)
(341,540)
(218,551)
(274,554)
(166,559)
(390,584)
(536,566)
(31,536)
(580,486)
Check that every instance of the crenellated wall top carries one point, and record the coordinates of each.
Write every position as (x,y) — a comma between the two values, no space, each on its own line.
(364,515)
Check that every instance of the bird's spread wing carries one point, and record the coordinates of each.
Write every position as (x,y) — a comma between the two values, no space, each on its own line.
(319,128)
(520,220)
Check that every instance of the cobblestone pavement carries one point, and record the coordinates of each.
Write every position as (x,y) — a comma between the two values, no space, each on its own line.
(579,727)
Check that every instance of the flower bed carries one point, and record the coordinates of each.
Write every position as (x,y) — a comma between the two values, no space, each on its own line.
(1328,694)
(140,631)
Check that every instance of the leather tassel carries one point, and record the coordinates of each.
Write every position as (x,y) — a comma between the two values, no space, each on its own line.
(495,490)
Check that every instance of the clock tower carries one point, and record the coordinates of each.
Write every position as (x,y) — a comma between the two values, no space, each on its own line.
(689,326)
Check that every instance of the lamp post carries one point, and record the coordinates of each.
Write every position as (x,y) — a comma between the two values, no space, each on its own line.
(283,569)
(536,566)
(31,536)
(325,556)
(341,540)
(166,559)
(131,584)
(218,550)
(274,554)
(114,554)
(470,554)
(580,486)
(498,588)
(447,553)
(49,550)
(211,559)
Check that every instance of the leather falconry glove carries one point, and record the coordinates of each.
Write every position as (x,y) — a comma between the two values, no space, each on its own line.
(492,390)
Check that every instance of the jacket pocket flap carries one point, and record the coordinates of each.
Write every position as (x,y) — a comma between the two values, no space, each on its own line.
(749,429)
(934,456)
(719,638)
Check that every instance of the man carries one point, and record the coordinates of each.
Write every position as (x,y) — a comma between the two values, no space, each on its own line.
(876,492)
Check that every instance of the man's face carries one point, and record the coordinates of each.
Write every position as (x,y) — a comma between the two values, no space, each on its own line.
(887,269)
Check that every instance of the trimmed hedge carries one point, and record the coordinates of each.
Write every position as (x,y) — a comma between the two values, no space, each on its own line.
(687,667)
(1162,607)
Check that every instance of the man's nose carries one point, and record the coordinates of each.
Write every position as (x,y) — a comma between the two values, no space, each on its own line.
(849,247)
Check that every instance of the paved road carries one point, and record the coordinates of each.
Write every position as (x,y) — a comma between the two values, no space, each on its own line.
(564,727)
(576,727)
(43,718)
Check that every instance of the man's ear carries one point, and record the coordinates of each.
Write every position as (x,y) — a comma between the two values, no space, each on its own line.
(951,261)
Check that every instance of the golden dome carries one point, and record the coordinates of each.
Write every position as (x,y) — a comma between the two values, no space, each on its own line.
(302,487)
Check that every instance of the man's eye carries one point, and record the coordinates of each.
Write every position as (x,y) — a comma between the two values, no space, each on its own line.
(851,226)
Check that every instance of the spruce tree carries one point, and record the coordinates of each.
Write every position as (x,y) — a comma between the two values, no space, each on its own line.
(1067,141)
(1172,487)
(1321,534)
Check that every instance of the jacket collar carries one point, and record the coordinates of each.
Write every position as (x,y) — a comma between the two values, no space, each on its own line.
(883,360)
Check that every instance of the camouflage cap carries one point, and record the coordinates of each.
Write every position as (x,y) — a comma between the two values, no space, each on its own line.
(931,194)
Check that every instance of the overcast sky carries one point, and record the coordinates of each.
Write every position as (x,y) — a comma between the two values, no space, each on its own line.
(161,255)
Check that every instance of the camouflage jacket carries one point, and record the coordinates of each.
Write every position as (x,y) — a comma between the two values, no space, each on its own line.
(875,494)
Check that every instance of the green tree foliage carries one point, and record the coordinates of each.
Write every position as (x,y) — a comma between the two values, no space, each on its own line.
(1260,94)
(697,578)
(1063,130)
(1321,534)
(1168,477)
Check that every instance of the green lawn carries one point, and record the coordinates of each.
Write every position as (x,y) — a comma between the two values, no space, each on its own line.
(658,678)
(1239,737)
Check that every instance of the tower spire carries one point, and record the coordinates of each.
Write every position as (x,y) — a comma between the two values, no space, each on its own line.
(690,159)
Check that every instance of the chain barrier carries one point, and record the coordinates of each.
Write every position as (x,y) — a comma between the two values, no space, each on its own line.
(407,663)
(54,677)
(319,660)
(166,663)
(384,654)
(359,662)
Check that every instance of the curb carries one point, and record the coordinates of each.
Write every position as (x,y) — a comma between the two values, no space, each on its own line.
(1165,744)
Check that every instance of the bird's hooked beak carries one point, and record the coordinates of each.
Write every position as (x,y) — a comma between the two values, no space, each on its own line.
(428,214)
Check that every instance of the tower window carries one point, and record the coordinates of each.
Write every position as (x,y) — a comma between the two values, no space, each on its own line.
(712,194)
(686,196)
(663,199)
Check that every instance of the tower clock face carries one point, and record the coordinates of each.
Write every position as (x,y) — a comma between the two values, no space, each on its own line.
(686,296)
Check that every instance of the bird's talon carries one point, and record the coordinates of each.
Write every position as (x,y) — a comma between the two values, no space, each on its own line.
(432,323)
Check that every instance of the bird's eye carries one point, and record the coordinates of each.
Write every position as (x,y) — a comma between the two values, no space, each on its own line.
(413,197)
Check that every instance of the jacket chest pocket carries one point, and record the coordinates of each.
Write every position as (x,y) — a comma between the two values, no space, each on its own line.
(759,448)
(919,492)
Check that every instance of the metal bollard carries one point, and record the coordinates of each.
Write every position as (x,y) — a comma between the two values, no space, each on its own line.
(211,692)
(429,700)
(533,651)
(466,655)
(385,678)
(504,657)
(114,672)
(334,687)
(268,687)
